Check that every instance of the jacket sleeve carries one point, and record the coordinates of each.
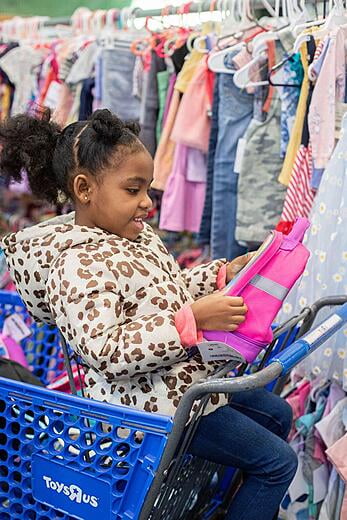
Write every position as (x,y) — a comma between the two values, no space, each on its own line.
(203,279)
(89,308)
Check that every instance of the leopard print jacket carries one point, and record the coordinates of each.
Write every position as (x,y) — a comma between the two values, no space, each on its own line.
(114,300)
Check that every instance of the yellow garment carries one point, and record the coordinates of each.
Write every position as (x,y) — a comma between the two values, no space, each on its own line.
(188,70)
(296,135)
(5,102)
(193,60)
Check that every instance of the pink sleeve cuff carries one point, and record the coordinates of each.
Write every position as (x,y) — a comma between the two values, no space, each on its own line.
(186,327)
(222,276)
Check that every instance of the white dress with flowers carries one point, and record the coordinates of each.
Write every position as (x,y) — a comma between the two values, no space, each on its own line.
(326,271)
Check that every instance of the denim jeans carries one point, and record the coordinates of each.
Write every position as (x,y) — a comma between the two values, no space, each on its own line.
(117,81)
(204,237)
(249,434)
(234,115)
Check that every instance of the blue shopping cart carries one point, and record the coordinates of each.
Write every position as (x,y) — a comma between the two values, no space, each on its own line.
(66,457)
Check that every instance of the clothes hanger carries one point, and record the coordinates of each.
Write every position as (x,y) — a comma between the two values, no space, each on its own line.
(202,41)
(242,78)
(335,19)
(233,26)
(275,69)
(216,60)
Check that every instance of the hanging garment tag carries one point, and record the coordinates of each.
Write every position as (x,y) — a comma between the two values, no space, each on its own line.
(217,351)
(240,152)
(15,328)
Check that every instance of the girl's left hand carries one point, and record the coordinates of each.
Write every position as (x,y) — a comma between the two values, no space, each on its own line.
(237,264)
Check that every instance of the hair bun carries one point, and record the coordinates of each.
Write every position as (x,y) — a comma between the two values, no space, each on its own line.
(108,127)
(133,126)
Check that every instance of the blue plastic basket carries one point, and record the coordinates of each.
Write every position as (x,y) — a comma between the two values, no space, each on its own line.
(63,457)
(42,349)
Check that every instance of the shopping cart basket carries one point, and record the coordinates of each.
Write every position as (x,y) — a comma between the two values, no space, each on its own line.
(64,457)
(42,348)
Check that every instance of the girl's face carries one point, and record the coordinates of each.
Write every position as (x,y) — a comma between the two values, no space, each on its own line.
(118,201)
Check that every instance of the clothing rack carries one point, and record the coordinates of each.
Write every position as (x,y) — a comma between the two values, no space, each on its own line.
(203,6)
(137,12)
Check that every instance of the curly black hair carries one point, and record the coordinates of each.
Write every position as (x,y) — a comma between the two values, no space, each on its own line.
(52,156)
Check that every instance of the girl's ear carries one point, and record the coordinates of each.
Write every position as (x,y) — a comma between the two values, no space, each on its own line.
(82,188)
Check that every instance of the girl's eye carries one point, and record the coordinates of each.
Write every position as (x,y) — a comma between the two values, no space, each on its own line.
(133,191)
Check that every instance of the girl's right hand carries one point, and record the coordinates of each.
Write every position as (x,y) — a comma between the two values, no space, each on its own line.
(219,312)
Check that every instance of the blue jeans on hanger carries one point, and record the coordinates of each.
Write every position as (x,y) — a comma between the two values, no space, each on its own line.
(249,434)
(117,80)
(204,237)
(234,115)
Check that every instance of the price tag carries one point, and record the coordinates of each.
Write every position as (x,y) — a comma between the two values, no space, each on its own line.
(217,351)
(240,152)
(15,328)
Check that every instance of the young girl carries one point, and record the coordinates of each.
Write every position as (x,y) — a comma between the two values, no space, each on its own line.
(122,302)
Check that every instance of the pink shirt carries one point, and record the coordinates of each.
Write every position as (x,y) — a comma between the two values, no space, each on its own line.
(328,91)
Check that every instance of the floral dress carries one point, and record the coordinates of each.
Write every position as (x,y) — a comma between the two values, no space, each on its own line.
(326,270)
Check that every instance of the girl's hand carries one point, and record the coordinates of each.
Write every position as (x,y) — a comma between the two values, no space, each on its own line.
(219,312)
(237,264)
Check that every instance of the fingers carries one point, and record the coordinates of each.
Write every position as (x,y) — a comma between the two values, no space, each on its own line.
(238,311)
(238,319)
(235,301)
(231,327)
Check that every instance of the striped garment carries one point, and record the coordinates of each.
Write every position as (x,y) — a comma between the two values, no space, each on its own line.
(300,195)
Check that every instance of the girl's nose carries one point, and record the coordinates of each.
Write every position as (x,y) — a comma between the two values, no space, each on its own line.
(147,203)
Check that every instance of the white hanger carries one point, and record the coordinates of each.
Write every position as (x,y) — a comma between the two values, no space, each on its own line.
(216,61)
(242,79)
(197,44)
(336,18)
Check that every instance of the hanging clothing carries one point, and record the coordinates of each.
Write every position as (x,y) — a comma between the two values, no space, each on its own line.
(295,139)
(192,123)
(235,111)
(117,78)
(163,79)
(290,95)
(260,196)
(164,157)
(205,226)
(183,199)
(21,64)
(329,90)
(300,195)
(149,109)
(326,275)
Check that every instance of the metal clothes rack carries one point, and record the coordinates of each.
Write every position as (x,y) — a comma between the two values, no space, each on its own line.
(137,12)
(195,7)
(203,6)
